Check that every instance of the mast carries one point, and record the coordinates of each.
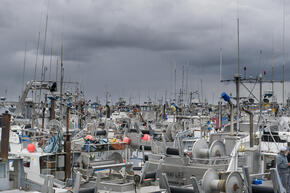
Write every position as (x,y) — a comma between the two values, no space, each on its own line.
(182,85)
(221,62)
(272,66)
(36,58)
(61,76)
(56,70)
(186,87)
(283,65)
(43,54)
(24,67)
(201,91)
(50,63)
(175,84)
(237,77)
(35,76)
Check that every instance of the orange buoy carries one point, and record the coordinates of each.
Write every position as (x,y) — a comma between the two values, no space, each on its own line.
(127,140)
(30,148)
(146,137)
(89,137)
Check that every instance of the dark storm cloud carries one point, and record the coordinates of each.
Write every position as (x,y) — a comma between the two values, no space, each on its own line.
(131,47)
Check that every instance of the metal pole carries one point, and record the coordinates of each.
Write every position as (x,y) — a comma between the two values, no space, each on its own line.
(220,114)
(237,77)
(251,127)
(61,77)
(42,118)
(238,28)
(283,84)
(52,109)
(175,85)
(232,119)
(67,148)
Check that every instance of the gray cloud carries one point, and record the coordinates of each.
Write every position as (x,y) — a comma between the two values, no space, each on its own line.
(130,47)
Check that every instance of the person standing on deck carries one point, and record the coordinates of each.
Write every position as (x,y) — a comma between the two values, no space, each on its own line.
(282,167)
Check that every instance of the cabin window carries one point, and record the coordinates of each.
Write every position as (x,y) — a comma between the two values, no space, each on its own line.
(26,162)
(47,164)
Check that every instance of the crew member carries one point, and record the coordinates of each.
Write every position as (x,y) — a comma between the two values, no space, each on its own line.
(282,167)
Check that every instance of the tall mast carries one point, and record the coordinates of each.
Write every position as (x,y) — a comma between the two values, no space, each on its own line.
(201,91)
(56,70)
(273,65)
(182,85)
(61,75)
(50,63)
(283,65)
(221,62)
(43,54)
(44,47)
(24,67)
(237,77)
(35,76)
(175,84)
(186,87)
(36,58)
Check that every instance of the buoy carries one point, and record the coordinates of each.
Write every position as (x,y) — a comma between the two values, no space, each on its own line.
(30,148)
(89,137)
(146,137)
(127,140)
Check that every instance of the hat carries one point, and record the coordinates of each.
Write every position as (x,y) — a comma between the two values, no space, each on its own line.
(284,148)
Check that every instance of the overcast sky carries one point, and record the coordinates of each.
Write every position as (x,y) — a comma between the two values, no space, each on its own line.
(131,47)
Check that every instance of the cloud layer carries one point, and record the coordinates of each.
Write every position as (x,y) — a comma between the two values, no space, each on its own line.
(130,48)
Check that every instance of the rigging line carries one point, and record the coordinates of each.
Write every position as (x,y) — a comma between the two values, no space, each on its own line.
(250,92)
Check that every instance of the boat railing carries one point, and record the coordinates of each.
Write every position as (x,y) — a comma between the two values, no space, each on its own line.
(270,139)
